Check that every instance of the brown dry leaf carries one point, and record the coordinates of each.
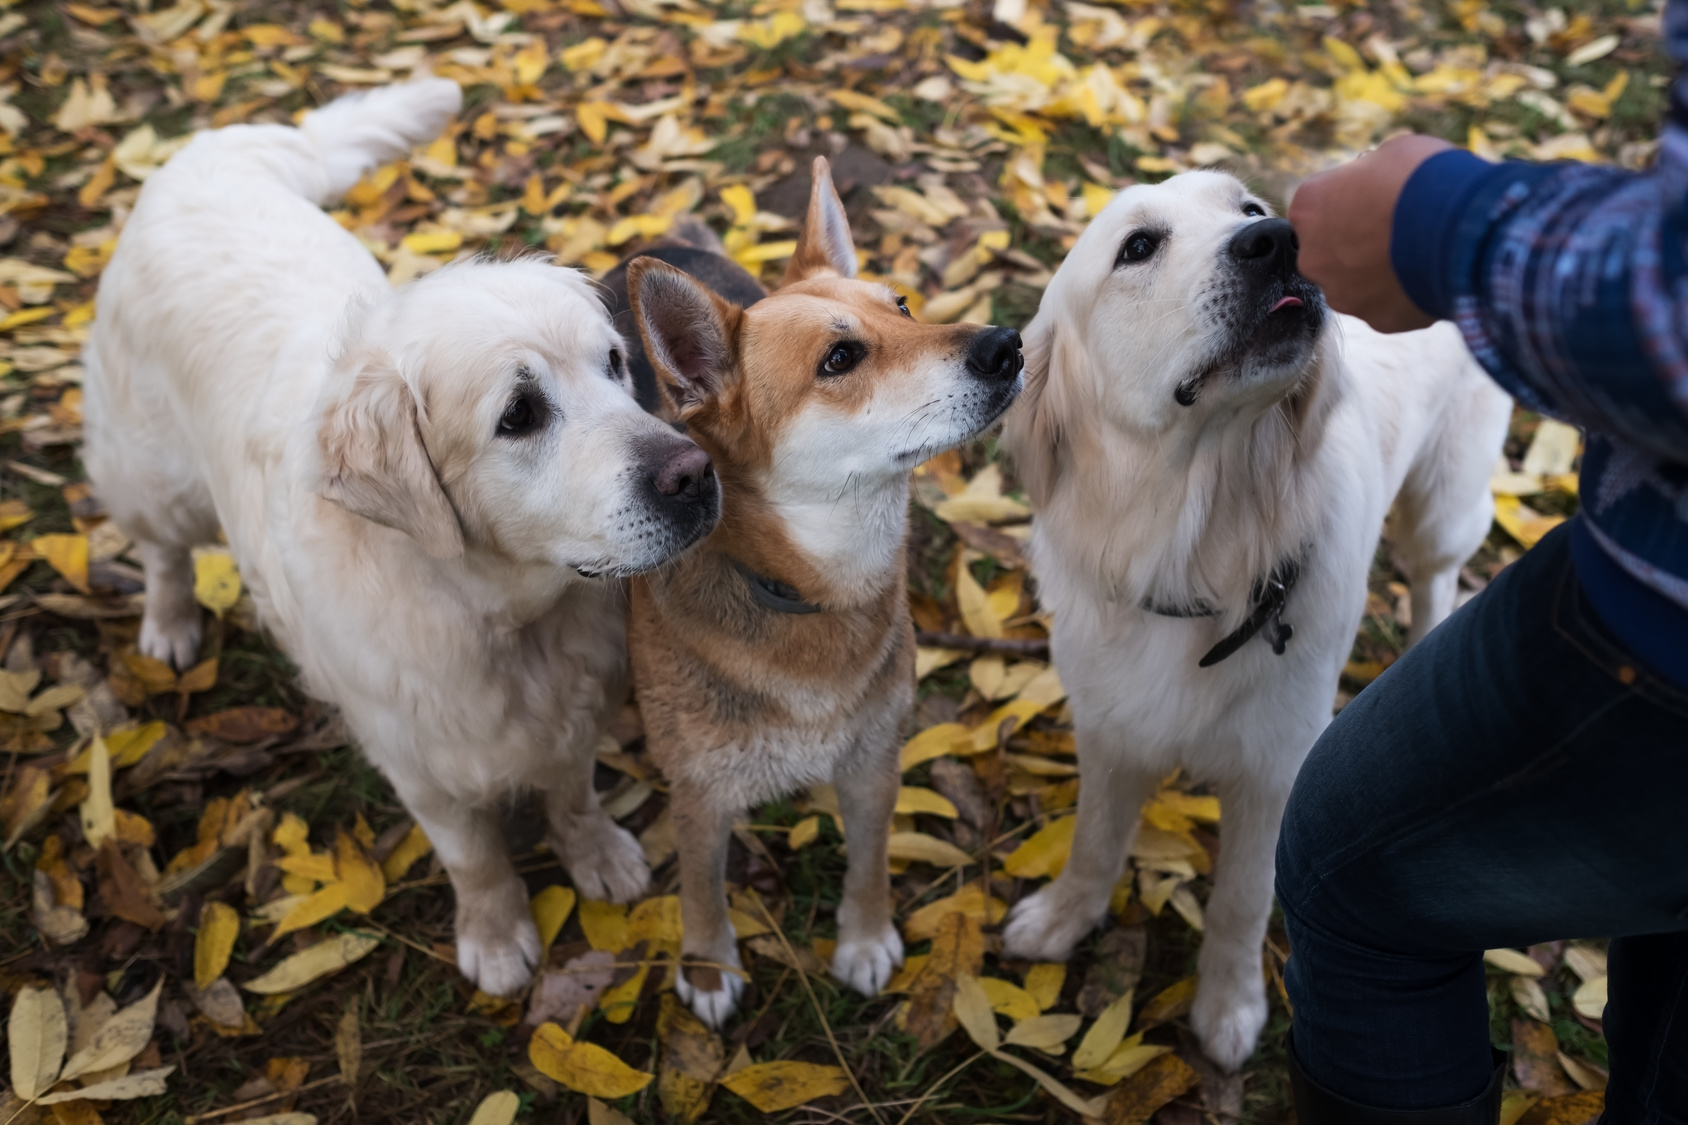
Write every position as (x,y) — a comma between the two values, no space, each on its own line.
(583,1067)
(124,893)
(201,677)
(692,1059)
(567,995)
(1535,1058)
(1581,1108)
(242,724)
(958,950)
(775,1086)
(1140,1096)
(348,1045)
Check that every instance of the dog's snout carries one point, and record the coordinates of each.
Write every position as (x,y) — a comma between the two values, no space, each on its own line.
(1267,244)
(685,474)
(994,355)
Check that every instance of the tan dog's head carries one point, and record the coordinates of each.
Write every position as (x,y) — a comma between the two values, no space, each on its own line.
(1180,302)
(488,407)
(828,385)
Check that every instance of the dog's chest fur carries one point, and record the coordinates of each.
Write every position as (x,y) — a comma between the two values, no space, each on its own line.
(750,703)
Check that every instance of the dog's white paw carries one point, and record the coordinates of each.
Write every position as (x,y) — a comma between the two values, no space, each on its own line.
(497,949)
(172,639)
(710,992)
(1227,1018)
(605,861)
(866,963)
(1046,926)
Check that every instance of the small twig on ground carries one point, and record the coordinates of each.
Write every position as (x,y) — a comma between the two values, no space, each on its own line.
(1007,646)
(820,1012)
(933,1088)
(260,1101)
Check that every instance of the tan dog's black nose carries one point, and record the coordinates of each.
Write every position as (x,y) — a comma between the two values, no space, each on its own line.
(1269,244)
(685,475)
(994,355)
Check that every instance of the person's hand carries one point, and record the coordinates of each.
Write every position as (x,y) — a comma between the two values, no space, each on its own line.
(1343,219)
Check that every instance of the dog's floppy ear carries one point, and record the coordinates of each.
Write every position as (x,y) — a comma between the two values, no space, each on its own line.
(374,462)
(1033,432)
(684,326)
(824,245)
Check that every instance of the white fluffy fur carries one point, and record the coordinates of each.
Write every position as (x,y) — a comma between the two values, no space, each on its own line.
(1139,497)
(252,370)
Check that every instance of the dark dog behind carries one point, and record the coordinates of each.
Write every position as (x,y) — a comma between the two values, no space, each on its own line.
(692,248)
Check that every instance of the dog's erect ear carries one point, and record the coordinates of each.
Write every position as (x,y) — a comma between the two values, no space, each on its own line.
(375,464)
(685,329)
(825,245)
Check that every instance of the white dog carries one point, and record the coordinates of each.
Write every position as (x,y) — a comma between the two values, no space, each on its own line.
(428,490)
(1211,455)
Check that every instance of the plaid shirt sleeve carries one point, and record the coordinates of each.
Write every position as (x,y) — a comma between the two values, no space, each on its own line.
(1569,281)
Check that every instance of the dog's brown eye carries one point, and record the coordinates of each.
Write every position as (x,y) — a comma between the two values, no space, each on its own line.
(1254,209)
(522,416)
(1139,246)
(902,306)
(843,356)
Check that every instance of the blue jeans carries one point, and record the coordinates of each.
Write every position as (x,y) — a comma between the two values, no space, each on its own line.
(1516,778)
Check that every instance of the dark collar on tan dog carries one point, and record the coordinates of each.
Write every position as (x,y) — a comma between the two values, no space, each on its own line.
(771,593)
(1268,598)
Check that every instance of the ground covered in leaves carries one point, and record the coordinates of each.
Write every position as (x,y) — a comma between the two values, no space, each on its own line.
(212,910)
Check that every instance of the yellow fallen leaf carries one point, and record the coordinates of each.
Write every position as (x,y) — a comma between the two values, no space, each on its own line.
(413,847)
(935,742)
(1512,961)
(1009,999)
(128,747)
(323,904)
(912,800)
(364,883)
(591,117)
(1522,522)
(1590,998)
(67,554)
(970,900)
(432,242)
(317,868)
(550,908)
(1044,853)
(1104,1035)
(497,1109)
(1169,1003)
(312,964)
(36,1036)
(1044,1033)
(775,1086)
(583,1067)
(1128,1058)
(918,847)
(216,581)
(605,924)
(1019,712)
(975,606)
(803,833)
(1044,981)
(219,926)
(618,1002)
(99,819)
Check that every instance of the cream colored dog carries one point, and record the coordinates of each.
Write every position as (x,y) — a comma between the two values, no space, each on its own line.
(1211,455)
(428,490)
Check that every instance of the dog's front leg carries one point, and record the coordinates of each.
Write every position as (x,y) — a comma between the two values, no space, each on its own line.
(869,948)
(1046,926)
(709,949)
(1230,1005)
(603,859)
(497,943)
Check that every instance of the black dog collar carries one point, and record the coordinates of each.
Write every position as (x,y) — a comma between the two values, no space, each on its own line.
(1269,596)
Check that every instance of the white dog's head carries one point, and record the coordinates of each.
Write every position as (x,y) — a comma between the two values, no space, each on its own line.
(489,407)
(1179,302)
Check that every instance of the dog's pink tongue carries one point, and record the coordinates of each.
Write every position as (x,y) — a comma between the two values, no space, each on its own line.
(1286,303)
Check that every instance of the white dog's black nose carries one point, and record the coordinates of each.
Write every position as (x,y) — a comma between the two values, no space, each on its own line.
(994,355)
(1268,244)
(686,475)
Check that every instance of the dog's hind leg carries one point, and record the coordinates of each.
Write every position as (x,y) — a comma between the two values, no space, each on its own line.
(603,859)
(869,948)
(709,949)
(1046,926)
(170,625)
(497,942)
(1230,1005)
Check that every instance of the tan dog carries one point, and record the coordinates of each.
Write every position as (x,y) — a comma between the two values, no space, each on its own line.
(780,653)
